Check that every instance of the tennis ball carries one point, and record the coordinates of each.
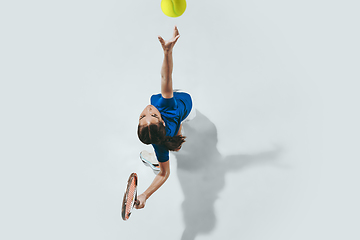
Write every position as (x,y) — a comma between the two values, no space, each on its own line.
(173,8)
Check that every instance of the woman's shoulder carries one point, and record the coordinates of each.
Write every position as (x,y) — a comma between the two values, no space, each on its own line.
(155,96)
(182,95)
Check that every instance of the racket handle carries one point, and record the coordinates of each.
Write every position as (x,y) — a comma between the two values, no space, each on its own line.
(137,202)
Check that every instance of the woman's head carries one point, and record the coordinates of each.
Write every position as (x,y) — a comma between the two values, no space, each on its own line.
(151,127)
(151,130)
(150,115)
(152,133)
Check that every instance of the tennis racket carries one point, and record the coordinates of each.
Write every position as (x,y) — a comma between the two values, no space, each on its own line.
(130,197)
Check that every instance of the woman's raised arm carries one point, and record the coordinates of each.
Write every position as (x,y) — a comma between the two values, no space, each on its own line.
(167,66)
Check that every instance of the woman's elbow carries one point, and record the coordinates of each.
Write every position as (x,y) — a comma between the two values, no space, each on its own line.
(165,174)
(164,170)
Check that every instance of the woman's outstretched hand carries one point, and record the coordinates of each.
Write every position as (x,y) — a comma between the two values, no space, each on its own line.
(142,201)
(169,44)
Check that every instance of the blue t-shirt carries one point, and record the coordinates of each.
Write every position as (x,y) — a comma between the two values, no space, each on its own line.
(173,111)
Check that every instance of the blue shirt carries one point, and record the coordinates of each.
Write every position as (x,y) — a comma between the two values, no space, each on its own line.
(173,111)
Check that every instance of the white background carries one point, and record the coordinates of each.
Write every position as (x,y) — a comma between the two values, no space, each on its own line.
(272,76)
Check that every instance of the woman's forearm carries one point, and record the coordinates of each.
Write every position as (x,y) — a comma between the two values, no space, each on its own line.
(166,74)
(159,180)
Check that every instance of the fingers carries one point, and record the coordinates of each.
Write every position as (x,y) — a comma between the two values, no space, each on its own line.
(140,206)
(169,44)
(140,202)
(176,31)
(161,40)
(176,34)
(176,38)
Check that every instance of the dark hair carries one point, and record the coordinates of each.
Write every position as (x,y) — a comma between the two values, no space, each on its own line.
(156,134)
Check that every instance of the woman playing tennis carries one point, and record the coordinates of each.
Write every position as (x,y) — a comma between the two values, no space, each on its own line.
(160,123)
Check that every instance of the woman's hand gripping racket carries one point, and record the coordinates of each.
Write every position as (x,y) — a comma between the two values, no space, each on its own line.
(130,197)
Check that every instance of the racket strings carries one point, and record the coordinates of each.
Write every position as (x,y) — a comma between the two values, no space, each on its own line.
(130,196)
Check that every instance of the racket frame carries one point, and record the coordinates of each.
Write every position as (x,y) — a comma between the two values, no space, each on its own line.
(126,195)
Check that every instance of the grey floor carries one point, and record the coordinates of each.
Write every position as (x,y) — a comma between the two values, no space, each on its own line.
(272,153)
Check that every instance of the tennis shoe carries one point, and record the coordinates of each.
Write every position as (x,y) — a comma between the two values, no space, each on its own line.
(149,160)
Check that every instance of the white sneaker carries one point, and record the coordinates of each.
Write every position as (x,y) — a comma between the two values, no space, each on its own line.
(149,160)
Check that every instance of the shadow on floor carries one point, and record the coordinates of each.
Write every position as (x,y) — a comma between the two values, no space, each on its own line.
(201,172)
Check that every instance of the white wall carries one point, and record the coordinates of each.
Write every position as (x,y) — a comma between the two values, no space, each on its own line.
(273,151)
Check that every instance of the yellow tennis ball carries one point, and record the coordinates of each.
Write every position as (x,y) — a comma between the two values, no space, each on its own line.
(173,8)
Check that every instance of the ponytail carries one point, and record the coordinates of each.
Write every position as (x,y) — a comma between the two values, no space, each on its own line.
(156,134)
(173,143)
